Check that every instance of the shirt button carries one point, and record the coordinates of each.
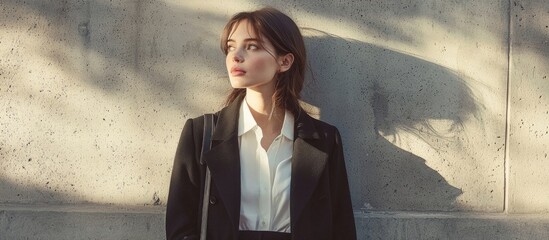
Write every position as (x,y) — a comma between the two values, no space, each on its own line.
(213,200)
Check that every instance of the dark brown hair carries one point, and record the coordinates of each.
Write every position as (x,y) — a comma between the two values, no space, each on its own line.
(286,38)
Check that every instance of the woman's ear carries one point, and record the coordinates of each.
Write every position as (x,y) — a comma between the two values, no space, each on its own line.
(285,62)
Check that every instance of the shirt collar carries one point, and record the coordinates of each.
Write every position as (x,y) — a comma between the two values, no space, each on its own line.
(288,125)
(246,121)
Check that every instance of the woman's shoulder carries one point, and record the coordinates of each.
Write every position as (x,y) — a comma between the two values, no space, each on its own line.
(325,129)
(200,118)
(324,125)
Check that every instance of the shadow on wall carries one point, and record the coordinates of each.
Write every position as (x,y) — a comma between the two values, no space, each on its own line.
(25,193)
(376,95)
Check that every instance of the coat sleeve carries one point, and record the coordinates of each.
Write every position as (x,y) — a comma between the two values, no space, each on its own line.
(184,193)
(344,221)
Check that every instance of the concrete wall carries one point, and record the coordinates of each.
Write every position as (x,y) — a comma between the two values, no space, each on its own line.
(442,107)
(529,108)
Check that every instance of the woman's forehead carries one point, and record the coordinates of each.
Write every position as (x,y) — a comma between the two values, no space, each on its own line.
(245,28)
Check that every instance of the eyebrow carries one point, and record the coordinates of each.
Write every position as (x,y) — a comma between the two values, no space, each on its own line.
(245,40)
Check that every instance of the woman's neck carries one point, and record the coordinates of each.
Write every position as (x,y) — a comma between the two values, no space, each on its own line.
(267,116)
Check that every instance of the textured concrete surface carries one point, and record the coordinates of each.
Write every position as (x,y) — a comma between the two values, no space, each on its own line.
(431,225)
(83,118)
(529,108)
(93,95)
(103,222)
(81,222)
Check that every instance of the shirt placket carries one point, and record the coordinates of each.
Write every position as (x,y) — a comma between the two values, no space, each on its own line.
(264,185)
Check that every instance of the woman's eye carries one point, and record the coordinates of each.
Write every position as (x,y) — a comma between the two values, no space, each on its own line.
(230,48)
(252,47)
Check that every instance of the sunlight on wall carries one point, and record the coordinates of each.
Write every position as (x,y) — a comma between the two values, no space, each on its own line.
(76,139)
(529,144)
(83,124)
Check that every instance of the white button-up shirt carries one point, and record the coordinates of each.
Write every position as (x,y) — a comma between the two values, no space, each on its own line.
(265,175)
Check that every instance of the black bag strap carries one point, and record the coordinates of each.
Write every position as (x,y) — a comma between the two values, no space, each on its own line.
(209,124)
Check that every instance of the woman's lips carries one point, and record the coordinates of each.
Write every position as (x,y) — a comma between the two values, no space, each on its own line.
(235,71)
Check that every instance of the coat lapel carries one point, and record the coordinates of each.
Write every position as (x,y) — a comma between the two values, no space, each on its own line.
(308,163)
(224,160)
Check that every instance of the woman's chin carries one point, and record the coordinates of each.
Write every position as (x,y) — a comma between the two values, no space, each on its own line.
(238,84)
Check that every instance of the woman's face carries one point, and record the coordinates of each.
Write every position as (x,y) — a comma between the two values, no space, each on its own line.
(250,64)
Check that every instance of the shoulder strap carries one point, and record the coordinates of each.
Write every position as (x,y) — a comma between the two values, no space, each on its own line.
(209,124)
(207,135)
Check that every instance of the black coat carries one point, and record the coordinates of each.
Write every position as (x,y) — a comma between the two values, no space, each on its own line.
(320,203)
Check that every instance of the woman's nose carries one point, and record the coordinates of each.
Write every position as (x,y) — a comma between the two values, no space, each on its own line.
(237,56)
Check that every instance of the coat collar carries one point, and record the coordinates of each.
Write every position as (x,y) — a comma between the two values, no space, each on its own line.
(308,162)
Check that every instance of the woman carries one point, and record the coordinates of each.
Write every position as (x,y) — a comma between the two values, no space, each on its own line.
(276,172)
